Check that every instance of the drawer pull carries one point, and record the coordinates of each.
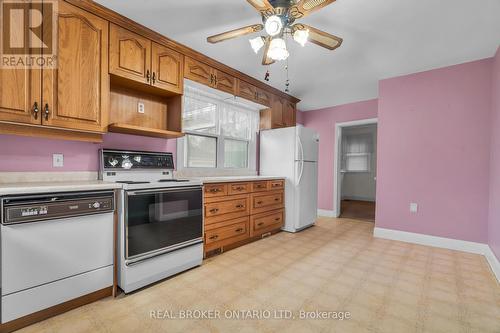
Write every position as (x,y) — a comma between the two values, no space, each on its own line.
(239,230)
(276,185)
(239,188)
(260,223)
(240,206)
(260,186)
(214,237)
(277,219)
(276,199)
(214,210)
(259,202)
(214,190)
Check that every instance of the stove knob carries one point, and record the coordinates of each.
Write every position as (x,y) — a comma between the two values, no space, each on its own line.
(96,205)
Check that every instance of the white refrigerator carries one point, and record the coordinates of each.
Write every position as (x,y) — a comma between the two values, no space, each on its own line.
(292,152)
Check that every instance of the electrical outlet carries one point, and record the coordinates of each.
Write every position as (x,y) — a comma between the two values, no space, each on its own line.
(140,107)
(57,160)
(413,207)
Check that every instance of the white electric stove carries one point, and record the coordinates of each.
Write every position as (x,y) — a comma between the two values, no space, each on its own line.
(160,230)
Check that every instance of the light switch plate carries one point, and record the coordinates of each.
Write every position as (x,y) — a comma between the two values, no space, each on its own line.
(140,107)
(57,160)
(413,207)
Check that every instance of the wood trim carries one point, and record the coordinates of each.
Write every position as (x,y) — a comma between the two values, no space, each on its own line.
(115,246)
(49,132)
(55,310)
(144,131)
(127,23)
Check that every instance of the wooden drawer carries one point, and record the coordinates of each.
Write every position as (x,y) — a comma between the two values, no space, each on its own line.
(259,186)
(226,208)
(238,188)
(265,222)
(215,190)
(263,202)
(220,234)
(276,184)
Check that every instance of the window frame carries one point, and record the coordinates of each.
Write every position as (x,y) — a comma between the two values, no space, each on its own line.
(220,101)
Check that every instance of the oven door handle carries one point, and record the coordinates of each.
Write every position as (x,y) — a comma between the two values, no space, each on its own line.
(163,190)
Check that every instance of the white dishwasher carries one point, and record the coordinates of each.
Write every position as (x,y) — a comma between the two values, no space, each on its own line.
(54,248)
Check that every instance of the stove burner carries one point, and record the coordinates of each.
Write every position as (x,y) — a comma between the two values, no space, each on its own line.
(131,182)
(173,180)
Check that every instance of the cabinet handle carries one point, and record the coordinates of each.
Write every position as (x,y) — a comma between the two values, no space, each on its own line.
(47,111)
(276,185)
(214,190)
(239,230)
(211,78)
(35,110)
(214,237)
(148,76)
(276,199)
(259,202)
(240,188)
(214,210)
(215,79)
(277,219)
(154,77)
(261,223)
(240,206)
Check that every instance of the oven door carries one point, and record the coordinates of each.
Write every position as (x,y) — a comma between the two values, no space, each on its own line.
(162,220)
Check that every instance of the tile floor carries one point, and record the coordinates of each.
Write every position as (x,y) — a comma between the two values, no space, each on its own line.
(386,286)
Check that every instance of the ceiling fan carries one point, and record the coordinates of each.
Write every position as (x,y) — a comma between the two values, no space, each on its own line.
(278,21)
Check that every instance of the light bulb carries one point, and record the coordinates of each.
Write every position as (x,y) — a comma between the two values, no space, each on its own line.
(301,36)
(277,50)
(256,43)
(273,25)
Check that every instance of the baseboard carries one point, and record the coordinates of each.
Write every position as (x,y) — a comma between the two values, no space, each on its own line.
(442,242)
(327,213)
(494,263)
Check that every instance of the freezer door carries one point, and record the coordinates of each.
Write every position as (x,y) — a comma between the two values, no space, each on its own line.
(307,144)
(306,199)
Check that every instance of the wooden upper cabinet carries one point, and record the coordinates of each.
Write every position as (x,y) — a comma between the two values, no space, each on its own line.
(263,97)
(247,91)
(129,55)
(289,114)
(198,72)
(167,68)
(76,93)
(225,82)
(20,95)
(277,113)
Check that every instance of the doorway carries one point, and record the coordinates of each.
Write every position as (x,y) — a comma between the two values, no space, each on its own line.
(356,170)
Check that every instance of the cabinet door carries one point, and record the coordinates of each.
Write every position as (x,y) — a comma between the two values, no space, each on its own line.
(199,72)
(167,68)
(247,91)
(225,82)
(264,97)
(76,93)
(289,114)
(129,55)
(277,113)
(20,89)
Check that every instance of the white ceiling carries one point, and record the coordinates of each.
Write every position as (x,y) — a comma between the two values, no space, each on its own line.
(382,39)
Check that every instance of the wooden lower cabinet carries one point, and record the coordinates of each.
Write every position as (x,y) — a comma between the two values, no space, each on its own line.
(240,212)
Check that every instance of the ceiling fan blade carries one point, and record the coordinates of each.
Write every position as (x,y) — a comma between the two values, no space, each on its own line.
(319,37)
(306,7)
(235,33)
(263,6)
(265,59)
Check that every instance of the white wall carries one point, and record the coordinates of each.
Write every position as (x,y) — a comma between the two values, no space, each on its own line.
(361,185)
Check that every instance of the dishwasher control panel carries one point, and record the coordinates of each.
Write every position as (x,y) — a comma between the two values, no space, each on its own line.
(37,208)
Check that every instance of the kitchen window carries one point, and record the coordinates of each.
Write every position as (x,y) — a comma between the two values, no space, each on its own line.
(220,131)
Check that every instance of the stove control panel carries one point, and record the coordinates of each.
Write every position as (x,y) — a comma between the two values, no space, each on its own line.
(127,160)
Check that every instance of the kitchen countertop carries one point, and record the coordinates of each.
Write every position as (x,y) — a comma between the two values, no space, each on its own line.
(228,179)
(55,187)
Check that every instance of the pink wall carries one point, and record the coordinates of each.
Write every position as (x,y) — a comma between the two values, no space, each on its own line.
(324,121)
(35,154)
(494,211)
(433,149)
(300,117)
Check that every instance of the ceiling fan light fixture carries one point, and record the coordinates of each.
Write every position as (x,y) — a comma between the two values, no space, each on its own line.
(277,50)
(273,25)
(301,36)
(256,43)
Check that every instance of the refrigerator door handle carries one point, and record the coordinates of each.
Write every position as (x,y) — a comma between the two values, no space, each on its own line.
(301,148)
(301,172)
